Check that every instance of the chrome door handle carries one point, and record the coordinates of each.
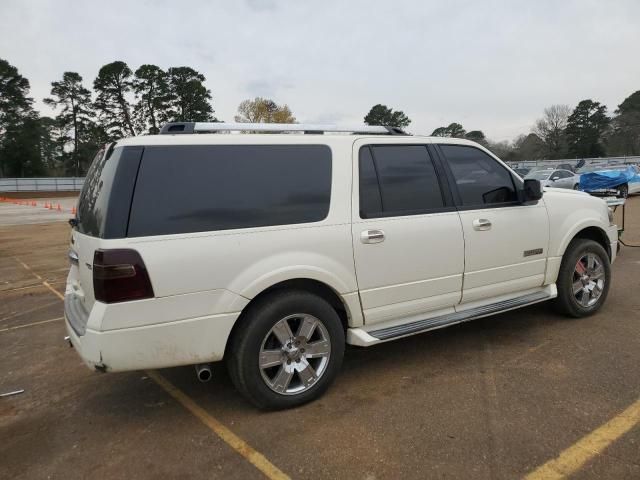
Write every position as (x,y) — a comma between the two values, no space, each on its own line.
(372,236)
(481,224)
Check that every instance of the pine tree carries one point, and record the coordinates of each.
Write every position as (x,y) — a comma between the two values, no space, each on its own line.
(75,117)
(190,100)
(385,116)
(585,129)
(19,126)
(112,86)
(153,98)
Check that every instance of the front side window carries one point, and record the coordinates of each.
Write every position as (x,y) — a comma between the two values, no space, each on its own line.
(397,180)
(480,179)
(199,188)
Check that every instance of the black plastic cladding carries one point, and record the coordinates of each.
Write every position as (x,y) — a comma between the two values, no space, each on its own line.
(178,128)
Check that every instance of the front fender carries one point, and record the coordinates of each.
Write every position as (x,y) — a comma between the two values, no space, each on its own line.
(569,213)
(574,230)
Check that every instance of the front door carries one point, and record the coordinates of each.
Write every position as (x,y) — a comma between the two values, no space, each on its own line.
(407,238)
(505,241)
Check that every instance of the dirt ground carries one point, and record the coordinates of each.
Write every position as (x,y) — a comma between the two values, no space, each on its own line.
(495,398)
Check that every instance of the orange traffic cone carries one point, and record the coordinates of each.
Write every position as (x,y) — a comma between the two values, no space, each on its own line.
(73,210)
(51,206)
(59,208)
(46,205)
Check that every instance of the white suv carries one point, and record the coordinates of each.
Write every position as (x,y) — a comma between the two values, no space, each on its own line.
(273,251)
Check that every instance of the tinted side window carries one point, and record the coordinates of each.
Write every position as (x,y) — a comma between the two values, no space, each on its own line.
(480,178)
(198,188)
(370,199)
(103,206)
(565,174)
(406,177)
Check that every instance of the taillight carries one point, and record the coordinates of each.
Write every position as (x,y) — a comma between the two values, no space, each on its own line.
(119,275)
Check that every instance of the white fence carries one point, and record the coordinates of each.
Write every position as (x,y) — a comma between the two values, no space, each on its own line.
(51,184)
(588,162)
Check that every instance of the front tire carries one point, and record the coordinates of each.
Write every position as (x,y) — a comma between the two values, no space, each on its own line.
(287,350)
(584,279)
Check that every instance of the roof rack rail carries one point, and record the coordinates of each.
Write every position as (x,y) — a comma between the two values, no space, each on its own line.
(213,127)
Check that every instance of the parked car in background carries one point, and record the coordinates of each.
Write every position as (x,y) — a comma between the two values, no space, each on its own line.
(556,178)
(620,181)
(566,166)
(522,171)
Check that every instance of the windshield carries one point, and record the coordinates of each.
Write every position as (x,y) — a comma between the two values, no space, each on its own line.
(540,174)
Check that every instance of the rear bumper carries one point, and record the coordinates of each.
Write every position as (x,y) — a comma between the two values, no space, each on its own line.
(168,344)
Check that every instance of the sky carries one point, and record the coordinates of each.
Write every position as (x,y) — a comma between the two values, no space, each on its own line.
(490,65)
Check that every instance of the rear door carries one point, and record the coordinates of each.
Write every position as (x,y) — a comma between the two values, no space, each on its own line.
(505,241)
(407,238)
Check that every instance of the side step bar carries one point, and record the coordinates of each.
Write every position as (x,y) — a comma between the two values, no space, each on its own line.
(458,317)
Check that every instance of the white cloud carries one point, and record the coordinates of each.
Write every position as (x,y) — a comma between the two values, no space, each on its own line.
(488,65)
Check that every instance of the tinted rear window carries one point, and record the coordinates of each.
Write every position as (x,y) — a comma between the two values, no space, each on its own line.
(103,206)
(182,189)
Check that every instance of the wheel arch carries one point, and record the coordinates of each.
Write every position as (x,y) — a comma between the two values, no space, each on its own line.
(345,312)
(594,233)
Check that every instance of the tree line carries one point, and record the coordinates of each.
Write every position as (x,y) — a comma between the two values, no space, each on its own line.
(562,132)
(124,102)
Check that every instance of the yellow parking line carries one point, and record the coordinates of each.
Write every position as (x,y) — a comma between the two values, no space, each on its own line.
(574,457)
(44,282)
(243,448)
(31,324)
(252,456)
(30,310)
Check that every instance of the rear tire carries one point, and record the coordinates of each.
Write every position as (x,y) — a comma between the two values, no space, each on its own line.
(576,186)
(287,350)
(584,279)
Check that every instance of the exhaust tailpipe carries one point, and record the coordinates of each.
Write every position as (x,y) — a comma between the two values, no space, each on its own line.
(203,372)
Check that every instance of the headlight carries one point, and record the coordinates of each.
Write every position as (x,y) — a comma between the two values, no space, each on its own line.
(610,212)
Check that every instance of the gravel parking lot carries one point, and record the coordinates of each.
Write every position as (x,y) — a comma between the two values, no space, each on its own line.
(22,211)
(496,398)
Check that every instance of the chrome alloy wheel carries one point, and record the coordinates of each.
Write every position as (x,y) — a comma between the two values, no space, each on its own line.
(292,363)
(588,279)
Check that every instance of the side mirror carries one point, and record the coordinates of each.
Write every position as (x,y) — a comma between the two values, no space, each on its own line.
(532,190)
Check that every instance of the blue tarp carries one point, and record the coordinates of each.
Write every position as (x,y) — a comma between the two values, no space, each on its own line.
(607,179)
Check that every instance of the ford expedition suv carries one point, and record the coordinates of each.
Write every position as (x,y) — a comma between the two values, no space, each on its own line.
(273,249)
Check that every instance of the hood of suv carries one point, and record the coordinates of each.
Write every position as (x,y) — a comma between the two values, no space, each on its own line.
(564,191)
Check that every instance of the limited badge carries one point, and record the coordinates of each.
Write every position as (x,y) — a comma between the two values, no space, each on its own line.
(535,251)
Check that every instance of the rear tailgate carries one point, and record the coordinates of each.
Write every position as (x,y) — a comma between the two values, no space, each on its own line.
(102,215)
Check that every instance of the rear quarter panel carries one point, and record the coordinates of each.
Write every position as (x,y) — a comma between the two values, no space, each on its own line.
(245,262)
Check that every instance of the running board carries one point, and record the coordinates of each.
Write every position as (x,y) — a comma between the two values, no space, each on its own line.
(459,317)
